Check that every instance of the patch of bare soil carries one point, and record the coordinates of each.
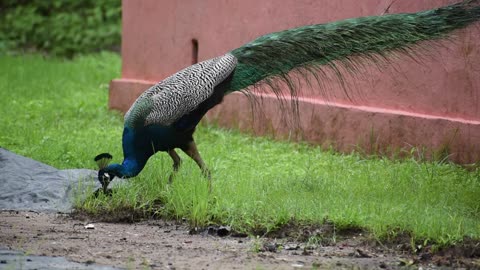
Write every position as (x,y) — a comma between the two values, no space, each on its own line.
(158,244)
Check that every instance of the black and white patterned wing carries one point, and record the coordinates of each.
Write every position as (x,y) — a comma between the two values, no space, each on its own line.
(179,94)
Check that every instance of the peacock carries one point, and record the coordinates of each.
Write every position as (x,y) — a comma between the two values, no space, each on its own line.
(165,116)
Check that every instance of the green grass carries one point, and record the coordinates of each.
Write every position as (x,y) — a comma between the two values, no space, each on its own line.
(55,111)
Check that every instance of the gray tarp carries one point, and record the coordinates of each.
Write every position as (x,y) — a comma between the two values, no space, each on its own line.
(26,184)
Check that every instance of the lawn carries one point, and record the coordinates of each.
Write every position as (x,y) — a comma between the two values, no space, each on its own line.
(55,111)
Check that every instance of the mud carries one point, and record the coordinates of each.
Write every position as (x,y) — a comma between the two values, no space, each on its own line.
(157,244)
(10,259)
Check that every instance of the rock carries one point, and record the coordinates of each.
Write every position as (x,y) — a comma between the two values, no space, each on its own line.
(270,247)
(362,254)
(291,247)
(223,231)
(298,264)
(89,226)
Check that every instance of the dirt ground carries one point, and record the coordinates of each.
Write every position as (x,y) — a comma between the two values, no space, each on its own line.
(158,244)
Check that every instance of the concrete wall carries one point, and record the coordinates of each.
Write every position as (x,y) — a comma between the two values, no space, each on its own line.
(433,105)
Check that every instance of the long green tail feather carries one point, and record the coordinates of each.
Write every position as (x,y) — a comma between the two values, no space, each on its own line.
(343,45)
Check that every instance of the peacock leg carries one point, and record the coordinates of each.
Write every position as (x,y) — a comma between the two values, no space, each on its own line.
(192,151)
(176,164)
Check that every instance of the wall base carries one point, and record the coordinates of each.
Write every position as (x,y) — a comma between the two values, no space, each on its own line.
(346,128)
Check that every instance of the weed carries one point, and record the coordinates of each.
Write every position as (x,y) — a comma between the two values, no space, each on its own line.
(257,244)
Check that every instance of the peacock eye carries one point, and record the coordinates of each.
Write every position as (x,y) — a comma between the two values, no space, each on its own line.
(106,175)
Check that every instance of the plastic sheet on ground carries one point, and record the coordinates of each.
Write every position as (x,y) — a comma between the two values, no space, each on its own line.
(26,184)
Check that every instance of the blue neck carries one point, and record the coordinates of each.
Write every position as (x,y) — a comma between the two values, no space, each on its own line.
(129,168)
(139,144)
(136,152)
(121,171)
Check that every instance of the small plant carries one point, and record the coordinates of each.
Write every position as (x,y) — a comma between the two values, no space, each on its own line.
(257,244)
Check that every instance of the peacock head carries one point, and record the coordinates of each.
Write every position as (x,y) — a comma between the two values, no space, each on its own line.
(105,175)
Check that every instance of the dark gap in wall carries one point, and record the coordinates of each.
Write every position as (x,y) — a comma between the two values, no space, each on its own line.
(194,51)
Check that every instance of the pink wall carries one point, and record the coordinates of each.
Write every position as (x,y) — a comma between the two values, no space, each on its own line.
(435,104)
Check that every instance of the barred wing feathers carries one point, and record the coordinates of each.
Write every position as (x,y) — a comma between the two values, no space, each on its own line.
(179,94)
